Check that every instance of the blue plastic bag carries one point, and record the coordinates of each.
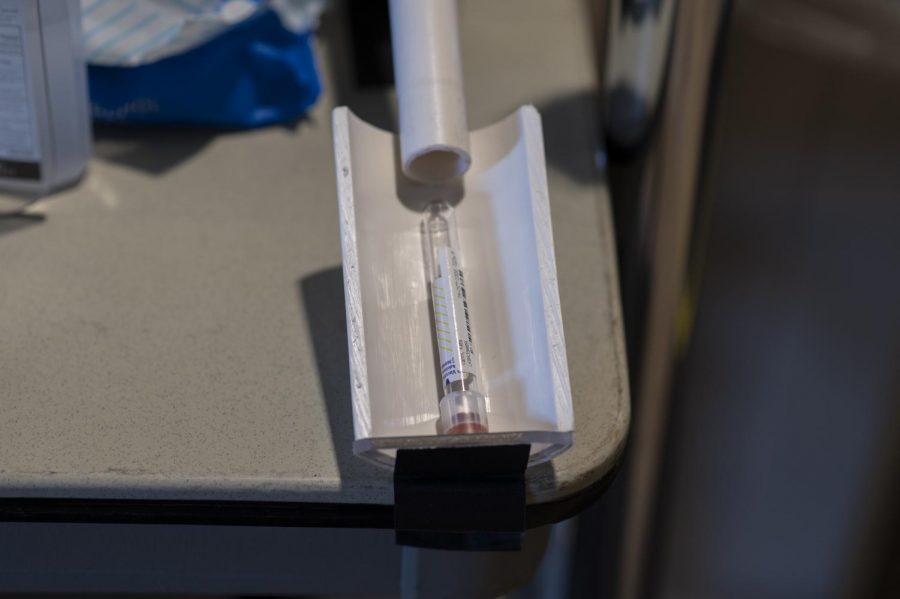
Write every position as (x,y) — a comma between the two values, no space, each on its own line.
(257,72)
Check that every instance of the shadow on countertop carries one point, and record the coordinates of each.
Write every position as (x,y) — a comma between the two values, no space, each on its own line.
(18,218)
(572,144)
(151,149)
(322,296)
(156,149)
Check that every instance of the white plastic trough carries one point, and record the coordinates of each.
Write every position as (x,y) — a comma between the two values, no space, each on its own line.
(506,247)
(496,179)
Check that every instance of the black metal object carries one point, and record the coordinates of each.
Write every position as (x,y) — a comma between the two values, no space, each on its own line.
(370,34)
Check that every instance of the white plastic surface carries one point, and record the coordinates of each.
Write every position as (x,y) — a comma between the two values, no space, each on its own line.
(506,250)
(434,134)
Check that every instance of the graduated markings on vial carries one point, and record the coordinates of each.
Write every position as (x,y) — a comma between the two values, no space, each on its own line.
(462,291)
(451,315)
(435,288)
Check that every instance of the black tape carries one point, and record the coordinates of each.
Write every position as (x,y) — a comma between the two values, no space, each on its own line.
(461,497)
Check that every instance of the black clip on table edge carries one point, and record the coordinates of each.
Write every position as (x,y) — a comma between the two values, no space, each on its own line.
(470,498)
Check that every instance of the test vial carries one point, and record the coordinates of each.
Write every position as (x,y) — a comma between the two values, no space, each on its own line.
(462,408)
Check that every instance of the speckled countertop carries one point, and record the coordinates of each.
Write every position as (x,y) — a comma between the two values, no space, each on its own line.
(174,327)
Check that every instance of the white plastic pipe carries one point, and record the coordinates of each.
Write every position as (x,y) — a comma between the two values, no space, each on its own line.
(434,133)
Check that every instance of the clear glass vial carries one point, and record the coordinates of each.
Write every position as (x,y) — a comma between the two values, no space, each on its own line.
(463,408)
